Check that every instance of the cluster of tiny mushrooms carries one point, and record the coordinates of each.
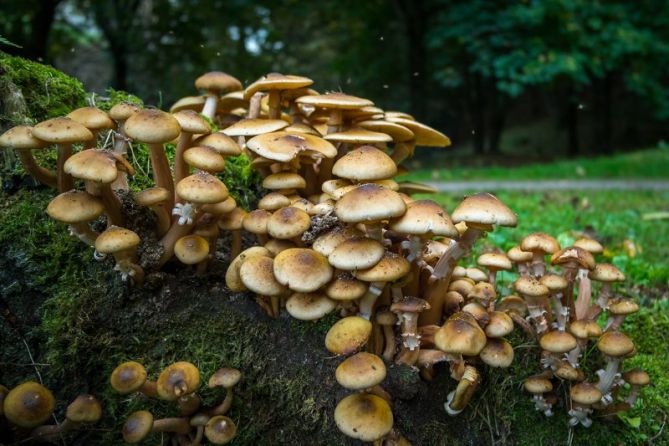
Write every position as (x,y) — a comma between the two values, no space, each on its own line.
(337,232)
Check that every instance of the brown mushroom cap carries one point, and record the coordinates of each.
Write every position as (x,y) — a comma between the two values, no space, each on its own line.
(254,127)
(512,303)
(366,163)
(84,409)
(218,81)
(356,253)
(138,426)
(571,255)
(540,242)
(424,217)
(288,223)
(326,243)
(334,100)
(302,270)
(188,103)
(128,377)
(116,239)
(152,196)
(202,188)
(584,329)
(357,135)
(369,203)
(497,353)
(361,371)
(517,255)
(538,385)
(75,207)
(585,393)
(569,373)
(232,276)
(529,286)
(622,307)
(499,325)
(273,201)
(615,344)
(364,417)
(29,404)
(257,274)
(554,282)
(21,138)
(398,132)
(590,245)
(605,272)
(557,341)
(348,335)
(424,135)
(221,143)
(61,131)
(636,377)
(204,158)
(309,306)
(284,180)
(152,126)
(255,222)
(494,260)
(283,146)
(98,166)
(123,110)
(460,335)
(220,430)
(484,209)
(345,287)
(190,121)
(224,377)
(178,379)
(92,118)
(391,267)
(191,249)
(276,81)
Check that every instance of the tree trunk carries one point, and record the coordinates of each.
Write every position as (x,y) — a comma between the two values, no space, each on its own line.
(498,109)
(414,18)
(571,111)
(36,43)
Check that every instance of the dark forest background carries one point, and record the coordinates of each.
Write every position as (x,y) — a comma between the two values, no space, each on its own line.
(506,79)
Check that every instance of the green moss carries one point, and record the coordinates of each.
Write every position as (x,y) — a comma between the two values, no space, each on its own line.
(242,181)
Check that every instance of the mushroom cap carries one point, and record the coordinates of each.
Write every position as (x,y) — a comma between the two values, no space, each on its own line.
(479,312)
(569,373)
(254,127)
(116,239)
(220,142)
(191,121)
(301,129)
(257,274)
(138,426)
(152,196)
(330,186)
(573,255)
(309,306)
(231,101)
(584,329)
(361,371)
(529,286)
(517,255)
(495,260)
(61,131)
(232,276)
(554,282)
(189,103)
(123,110)
(128,377)
(605,272)
(499,325)
(152,126)
(284,180)
(557,341)
(218,81)
(540,242)
(622,307)
(284,146)
(615,344)
(302,270)
(386,317)
(414,187)
(590,245)
(288,223)
(204,158)
(348,335)
(202,188)
(29,404)
(483,292)
(397,132)
(75,207)
(92,118)
(356,253)
(391,267)
(231,221)
(327,242)
(424,135)
(96,165)
(346,287)
(637,377)
(497,353)
(220,430)
(275,246)
(424,217)
(273,201)
(191,249)
(84,409)
(364,417)
(538,385)
(585,393)
(276,81)
(462,286)
(357,135)
(178,379)
(369,203)
(225,377)
(484,209)
(366,163)
(255,222)
(21,138)
(334,100)
(409,304)
(460,335)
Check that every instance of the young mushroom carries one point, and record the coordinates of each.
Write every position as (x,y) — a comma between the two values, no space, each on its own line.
(227,378)
(28,405)
(84,409)
(220,430)
(130,377)
(77,209)
(583,396)
(215,83)
(21,139)
(364,416)
(140,424)
(122,244)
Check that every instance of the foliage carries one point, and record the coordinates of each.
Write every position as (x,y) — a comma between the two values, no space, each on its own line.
(242,181)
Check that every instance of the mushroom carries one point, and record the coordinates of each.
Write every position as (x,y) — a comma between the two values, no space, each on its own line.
(460,336)
(215,83)
(539,244)
(459,398)
(556,342)
(275,83)
(177,380)
(309,306)
(387,319)
(535,295)
(257,273)
(157,199)
(302,270)
(122,244)
(390,268)
(364,416)
(494,261)
(362,372)
(636,378)
(615,346)
(407,310)
(608,275)
(619,308)
(94,120)
(77,208)
(20,138)
(227,378)
(190,123)
(28,405)
(348,335)
(130,377)
(140,424)
(220,430)
(583,396)
(84,409)
(539,386)
(497,353)
(572,259)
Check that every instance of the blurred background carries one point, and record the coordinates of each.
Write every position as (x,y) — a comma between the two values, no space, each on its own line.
(508,81)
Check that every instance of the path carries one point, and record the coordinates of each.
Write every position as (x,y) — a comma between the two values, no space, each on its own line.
(544,185)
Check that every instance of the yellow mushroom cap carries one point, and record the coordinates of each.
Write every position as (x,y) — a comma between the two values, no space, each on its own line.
(116,239)
(585,393)
(92,118)
(233,279)
(61,131)
(356,253)
(178,379)
(346,287)
(361,371)
(190,121)
(225,377)
(391,267)
(309,306)
(202,188)
(497,353)
(29,404)
(557,341)
(191,249)
(348,335)
(21,138)
(128,377)
(221,143)
(220,430)
(277,81)
(138,426)
(257,274)
(152,126)
(334,100)
(461,334)
(84,409)
(75,207)
(123,110)
(303,270)
(288,223)
(364,417)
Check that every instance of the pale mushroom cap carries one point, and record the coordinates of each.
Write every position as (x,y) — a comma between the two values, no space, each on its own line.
(61,131)
(277,81)
(221,143)
(424,135)
(84,409)
(283,146)
(346,287)
(254,127)
(584,329)
(284,180)
(637,377)
(348,335)
(275,246)
(75,207)
(391,267)
(497,353)
(366,163)
(152,196)
(128,377)
(92,118)
(21,138)
(273,201)
(554,282)
(529,286)
(334,100)
(615,344)
(220,430)
(538,385)
(231,101)
(590,245)
(123,110)
(204,158)
(494,260)
(557,341)
(414,187)
(288,223)
(369,203)
(330,186)
(326,243)
(398,132)
(460,335)
(232,277)
(225,377)
(301,129)
(98,166)
(462,286)
(476,274)
(152,126)
(116,239)
(202,188)
(572,255)
(477,310)
(500,325)
(566,371)
(309,306)
(356,135)
(302,270)
(484,208)
(190,121)
(233,220)
(255,222)
(356,253)
(364,417)
(29,404)
(585,393)
(257,274)
(517,255)
(605,272)
(409,304)
(540,242)
(622,307)
(361,371)
(424,217)
(191,249)
(218,81)
(188,103)
(178,379)
(137,426)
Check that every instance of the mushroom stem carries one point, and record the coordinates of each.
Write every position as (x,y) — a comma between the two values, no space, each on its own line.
(274,103)
(175,232)
(538,264)
(614,323)
(254,105)
(633,395)
(65,180)
(210,104)
(579,413)
(163,218)
(112,205)
(180,166)
(366,306)
(455,252)
(121,142)
(236,245)
(161,170)
(44,176)
(602,302)
(84,233)
(125,263)
(51,433)
(561,312)
(149,389)
(178,425)
(389,343)
(584,294)
(224,406)
(460,397)
(522,323)
(403,150)
(569,274)
(607,377)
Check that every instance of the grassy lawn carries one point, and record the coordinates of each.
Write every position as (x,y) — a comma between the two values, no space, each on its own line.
(644,164)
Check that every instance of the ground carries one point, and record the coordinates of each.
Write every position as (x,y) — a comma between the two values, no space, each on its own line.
(79,320)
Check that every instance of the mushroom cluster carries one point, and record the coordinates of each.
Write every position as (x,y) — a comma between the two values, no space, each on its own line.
(29,405)
(557,305)
(178,382)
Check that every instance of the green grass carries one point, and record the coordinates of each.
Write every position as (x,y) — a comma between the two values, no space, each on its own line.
(644,164)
